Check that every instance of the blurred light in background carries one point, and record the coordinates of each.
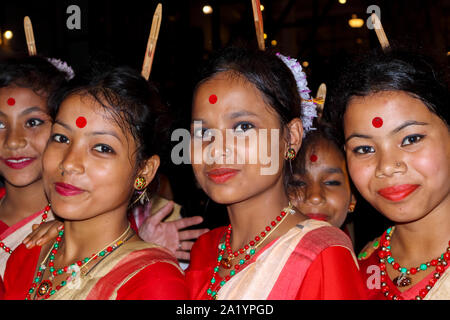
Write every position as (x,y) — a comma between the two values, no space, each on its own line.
(207,9)
(8,35)
(355,22)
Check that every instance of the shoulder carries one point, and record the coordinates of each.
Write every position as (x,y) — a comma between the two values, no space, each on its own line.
(22,256)
(205,249)
(322,237)
(160,280)
(141,253)
(141,268)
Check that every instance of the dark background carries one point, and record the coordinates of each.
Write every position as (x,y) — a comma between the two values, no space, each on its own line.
(316,31)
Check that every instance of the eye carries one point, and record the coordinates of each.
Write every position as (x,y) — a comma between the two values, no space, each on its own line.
(298,183)
(2,125)
(60,138)
(332,183)
(202,133)
(243,126)
(412,139)
(103,148)
(34,122)
(364,149)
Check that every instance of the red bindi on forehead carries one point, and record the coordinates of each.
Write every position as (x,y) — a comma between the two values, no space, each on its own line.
(81,122)
(313,158)
(377,122)
(11,101)
(212,99)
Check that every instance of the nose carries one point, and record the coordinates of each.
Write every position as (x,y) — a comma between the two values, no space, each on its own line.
(15,139)
(313,194)
(218,150)
(389,164)
(72,162)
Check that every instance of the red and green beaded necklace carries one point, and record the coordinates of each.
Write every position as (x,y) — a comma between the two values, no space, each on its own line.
(249,249)
(44,288)
(385,256)
(44,219)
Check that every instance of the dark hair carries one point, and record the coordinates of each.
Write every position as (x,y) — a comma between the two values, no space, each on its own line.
(265,71)
(35,73)
(393,70)
(133,102)
(323,131)
(268,73)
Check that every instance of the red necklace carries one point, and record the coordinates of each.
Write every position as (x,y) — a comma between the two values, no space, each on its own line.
(44,219)
(249,249)
(385,256)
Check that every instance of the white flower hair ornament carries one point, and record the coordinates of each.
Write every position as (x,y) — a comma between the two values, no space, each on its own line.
(309,111)
(63,67)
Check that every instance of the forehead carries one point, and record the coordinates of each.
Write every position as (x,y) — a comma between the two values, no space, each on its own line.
(230,92)
(14,97)
(78,107)
(384,110)
(324,153)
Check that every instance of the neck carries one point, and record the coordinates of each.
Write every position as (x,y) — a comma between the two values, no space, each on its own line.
(21,202)
(84,238)
(423,239)
(250,217)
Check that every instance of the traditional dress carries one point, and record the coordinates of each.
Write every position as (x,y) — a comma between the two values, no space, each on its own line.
(134,271)
(370,272)
(312,261)
(12,236)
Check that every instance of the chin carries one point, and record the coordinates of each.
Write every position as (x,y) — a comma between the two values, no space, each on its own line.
(226,198)
(23,181)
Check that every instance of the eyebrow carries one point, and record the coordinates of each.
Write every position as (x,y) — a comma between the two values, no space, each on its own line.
(396,130)
(26,111)
(232,115)
(95,133)
(334,170)
(238,114)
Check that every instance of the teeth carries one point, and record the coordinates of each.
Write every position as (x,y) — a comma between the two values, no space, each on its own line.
(19,161)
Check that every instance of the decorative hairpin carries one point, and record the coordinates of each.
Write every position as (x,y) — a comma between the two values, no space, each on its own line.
(309,111)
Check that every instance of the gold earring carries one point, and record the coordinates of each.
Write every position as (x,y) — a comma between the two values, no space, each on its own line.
(140,183)
(290,154)
(351,207)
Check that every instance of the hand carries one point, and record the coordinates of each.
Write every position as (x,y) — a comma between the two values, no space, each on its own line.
(369,249)
(170,234)
(42,233)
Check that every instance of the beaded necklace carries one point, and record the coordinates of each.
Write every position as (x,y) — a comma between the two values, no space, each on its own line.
(403,280)
(44,219)
(249,249)
(44,288)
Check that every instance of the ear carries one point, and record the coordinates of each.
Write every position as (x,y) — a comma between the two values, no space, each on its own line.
(353,199)
(352,202)
(295,134)
(149,169)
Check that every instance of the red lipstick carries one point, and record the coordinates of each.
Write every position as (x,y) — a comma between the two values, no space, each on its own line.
(221,175)
(67,190)
(317,216)
(18,163)
(399,192)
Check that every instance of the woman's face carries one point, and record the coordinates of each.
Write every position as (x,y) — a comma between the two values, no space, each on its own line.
(89,162)
(236,167)
(398,154)
(323,191)
(24,131)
